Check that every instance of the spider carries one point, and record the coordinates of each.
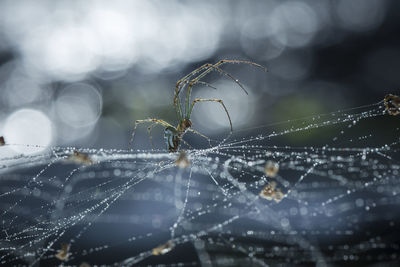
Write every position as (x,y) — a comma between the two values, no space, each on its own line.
(173,135)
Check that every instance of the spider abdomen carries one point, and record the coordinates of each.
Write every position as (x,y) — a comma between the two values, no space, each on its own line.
(172,138)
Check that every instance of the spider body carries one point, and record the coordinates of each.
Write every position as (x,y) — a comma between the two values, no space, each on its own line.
(174,135)
(172,139)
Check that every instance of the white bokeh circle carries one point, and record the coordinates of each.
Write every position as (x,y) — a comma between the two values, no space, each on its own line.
(28,131)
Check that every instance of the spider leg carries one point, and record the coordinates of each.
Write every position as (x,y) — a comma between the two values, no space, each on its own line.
(196,80)
(185,80)
(186,143)
(216,67)
(211,100)
(149,129)
(155,122)
(208,85)
(200,134)
(181,84)
(224,61)
(177,101)
(208,68)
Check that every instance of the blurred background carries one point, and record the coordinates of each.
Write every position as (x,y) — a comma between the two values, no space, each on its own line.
(79,73)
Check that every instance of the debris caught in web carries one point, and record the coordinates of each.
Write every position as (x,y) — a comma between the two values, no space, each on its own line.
(182,161)
(163,249)
(80,158)
(271,168)
(270,192)
(63,253)
(392,104)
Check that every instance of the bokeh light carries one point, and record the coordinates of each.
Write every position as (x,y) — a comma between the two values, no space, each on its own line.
(79,105)
(28,126)
(211,118)
(293,24)
(361,15)
(78,108)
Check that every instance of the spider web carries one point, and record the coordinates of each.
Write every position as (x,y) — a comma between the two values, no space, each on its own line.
(339,196)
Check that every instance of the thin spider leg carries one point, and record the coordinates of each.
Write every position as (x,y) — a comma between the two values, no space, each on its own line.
(186,143)
(208,67)
(216,67)
(178,87)
(230,76)
(178,107)
(180,84)
(149,129)
(208,85)
(185,79)
(233,61)
(155,121)
(188,94)
(202,135)
(211,100)
(194,81)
